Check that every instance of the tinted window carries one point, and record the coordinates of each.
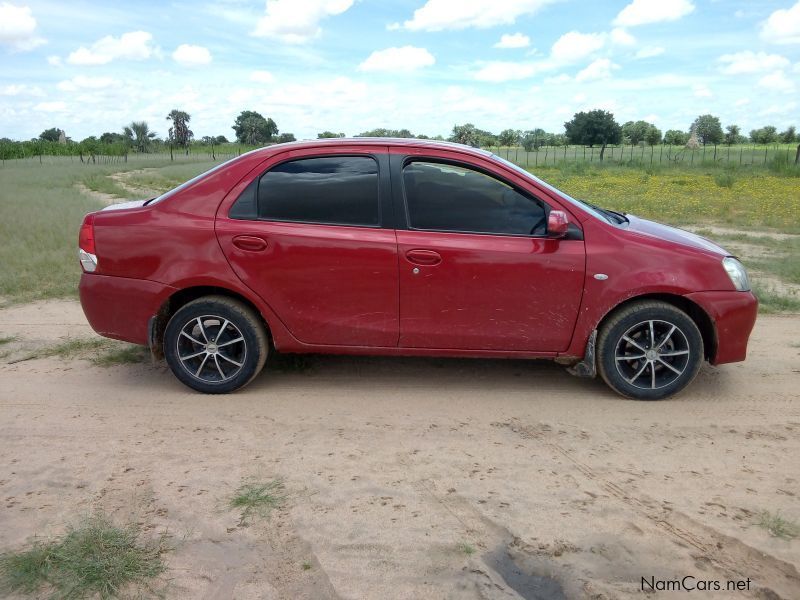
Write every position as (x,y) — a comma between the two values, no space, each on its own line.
(338,190)
(444,197)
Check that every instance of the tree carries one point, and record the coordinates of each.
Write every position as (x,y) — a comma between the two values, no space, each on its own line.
(221,139)
(789,136)
(509,137)
(286,137)
(653,135)
(253,129)
(765,135)
(732,133)
(708,129)
(676,137)
(179,133)
(110,137)
(634,132)
(138,134)
(329,134)
(532,139)
(465,134)
(50,135)
(383,132)
(596,127)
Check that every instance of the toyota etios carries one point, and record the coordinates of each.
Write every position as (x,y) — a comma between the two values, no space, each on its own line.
(406,247)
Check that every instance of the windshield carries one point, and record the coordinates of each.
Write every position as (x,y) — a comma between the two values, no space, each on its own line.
(609,216)
(186,184)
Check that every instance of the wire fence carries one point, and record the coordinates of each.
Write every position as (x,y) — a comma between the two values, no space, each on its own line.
(783,155)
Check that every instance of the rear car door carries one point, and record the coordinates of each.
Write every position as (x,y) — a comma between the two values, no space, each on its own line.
(311,235)
(477,270)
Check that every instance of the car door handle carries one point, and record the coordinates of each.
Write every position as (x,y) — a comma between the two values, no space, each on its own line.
(423,257)
(250,243)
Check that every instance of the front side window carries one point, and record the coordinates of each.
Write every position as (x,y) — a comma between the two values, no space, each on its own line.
(444,197)
(339,190)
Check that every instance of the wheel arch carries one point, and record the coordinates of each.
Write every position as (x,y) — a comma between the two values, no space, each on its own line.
(158,323)
(700,317)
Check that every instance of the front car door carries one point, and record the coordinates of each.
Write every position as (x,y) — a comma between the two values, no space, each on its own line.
(477,270)
(310,234)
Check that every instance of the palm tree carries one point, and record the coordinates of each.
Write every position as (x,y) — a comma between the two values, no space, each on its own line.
(139,135)
(180,132)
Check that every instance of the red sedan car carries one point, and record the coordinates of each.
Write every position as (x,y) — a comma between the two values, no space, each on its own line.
(406,247)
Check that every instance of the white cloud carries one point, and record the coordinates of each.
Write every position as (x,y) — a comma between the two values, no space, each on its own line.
(294,22)
(650,52)
(82,82)
(18,27)
(54,61)
(498,71)
(20,89)
(742,102)
(406,58)
(776,81)
(191,56)
(783,26)
(701,91)
(574,46)
(134,45)
(642,12)
(751,62)
(513,40)
(621,37)
(599,69)
(57,106)
(262,77)
(438,15)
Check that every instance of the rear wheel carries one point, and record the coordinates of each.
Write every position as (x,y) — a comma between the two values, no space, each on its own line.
(215,344)
(649,350)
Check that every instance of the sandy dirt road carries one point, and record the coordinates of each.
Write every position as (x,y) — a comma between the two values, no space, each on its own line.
(395,469)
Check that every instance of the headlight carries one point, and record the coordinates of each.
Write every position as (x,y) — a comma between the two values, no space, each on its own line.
(737,273)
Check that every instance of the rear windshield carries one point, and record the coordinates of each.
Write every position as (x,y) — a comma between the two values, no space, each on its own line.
(193,180)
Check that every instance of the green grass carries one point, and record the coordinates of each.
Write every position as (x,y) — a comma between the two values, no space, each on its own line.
(466,548)
(7,339)
(771,301)
(98,182)
(777,526)
(306,566)
(255,498)
(102,352)
(94,558)
(40,214)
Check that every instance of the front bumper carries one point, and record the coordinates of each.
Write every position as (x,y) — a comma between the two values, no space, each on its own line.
(733,315)
(120,308)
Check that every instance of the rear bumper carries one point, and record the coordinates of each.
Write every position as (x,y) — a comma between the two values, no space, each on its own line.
(733,314)
(120,308)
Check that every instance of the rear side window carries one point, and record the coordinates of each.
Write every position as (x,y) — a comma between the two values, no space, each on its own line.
(337,190)
(445,197)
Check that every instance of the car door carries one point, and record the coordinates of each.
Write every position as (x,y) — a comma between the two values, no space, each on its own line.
(477,270)
(311,236)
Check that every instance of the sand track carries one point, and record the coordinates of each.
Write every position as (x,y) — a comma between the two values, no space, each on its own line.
(396,468)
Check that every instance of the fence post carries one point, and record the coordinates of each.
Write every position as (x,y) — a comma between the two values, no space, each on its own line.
(661,155)
(170,153)
(652,151)
(766,149)
(715,152)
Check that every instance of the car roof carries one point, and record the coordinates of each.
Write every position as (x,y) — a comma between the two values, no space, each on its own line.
(376,141)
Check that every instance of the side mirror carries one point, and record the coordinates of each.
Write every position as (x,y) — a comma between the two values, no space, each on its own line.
(557,224)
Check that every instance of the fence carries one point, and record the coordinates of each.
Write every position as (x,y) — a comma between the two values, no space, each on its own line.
(640,156)
(740,155)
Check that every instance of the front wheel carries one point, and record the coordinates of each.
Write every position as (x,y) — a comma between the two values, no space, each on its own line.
(215,344)
(649,350)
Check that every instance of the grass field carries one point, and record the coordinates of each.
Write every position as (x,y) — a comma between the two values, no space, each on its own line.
(41,208)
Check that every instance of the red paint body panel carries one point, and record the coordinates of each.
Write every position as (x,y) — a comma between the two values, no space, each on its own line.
(119,307)
(490,292)
(734,315)
(352,290)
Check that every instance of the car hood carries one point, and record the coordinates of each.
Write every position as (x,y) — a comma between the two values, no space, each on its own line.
(673,234)
(124,205)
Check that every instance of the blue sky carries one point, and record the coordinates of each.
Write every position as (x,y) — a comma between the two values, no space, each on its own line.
(353,65)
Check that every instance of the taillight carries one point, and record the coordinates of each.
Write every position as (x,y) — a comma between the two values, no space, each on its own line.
(86,250)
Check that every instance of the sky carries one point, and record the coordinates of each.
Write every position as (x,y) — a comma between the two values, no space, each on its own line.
(425,65)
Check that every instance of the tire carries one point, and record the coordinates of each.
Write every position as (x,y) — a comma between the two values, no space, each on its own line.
(215,344)
(660,346)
